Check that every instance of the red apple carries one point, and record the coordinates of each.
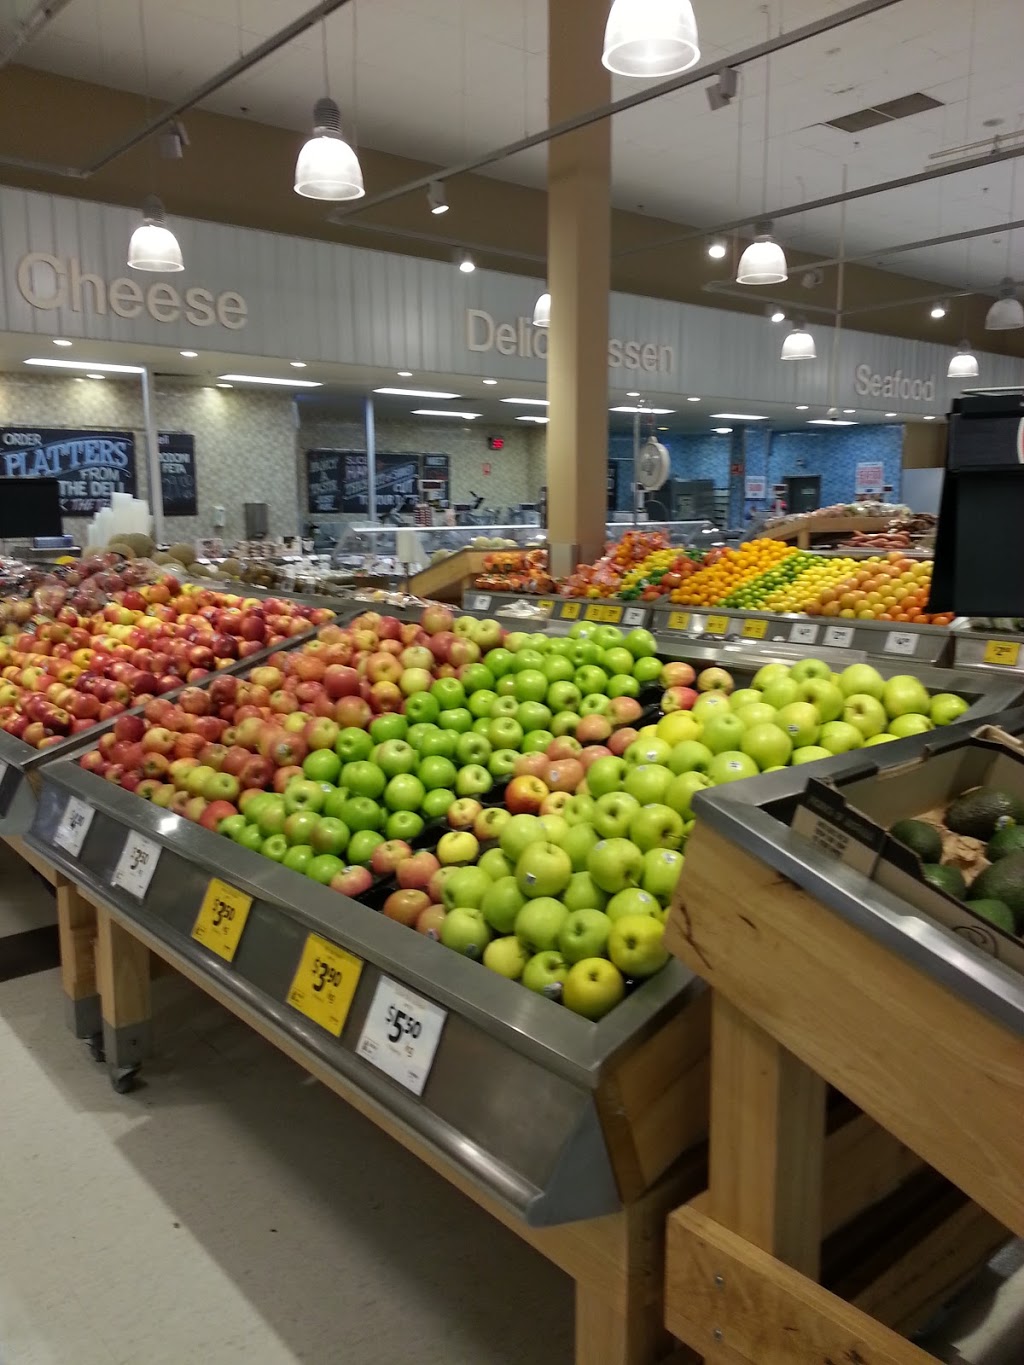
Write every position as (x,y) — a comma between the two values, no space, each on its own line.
(430,920)
(591,753)
(565,775)
(257,772)
(436,618)
(677,699)
(215,812)
(154,764)
(387,857)
(282,776)
(385,696)
(532,765)
(595,729)
(677,674)
(621,740)
(352,881)
(622,711)
(525,795)
(565,746)
(415,872)
(406,905)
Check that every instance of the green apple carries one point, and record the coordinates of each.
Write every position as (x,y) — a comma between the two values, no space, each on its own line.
(502,733)
(506,687)
(577,843)
(271,815)
(322,765)
(359,812)
(465,931)
(745,696)
(641,644)
(392,725)
(495,864)
(532,715)
(353,744)
(691,756)
(633,901)
(879,739)
(648,782)
(498,661)
(678,727)
(556,828)
(683,788)
(910,723)
(403,824)
(579,810)
(362,844)
(824,696)
(861,680)
(710,704)
(635,945)
(565,723)
(623,685)
(544,973)
(662,867)
(809,753)
(436,802)
(299,826)
(839,737)
(780,692)
(801,722)
(543,870)
(473,780)
(232,827)
(617,660)
(518,834)
(531,685)
(529,659)
(592,987)
(395,756)
(596,704)
(583,893)
(448,693)
(557,668)
(479,703)
(329,836)
(299,857)
(904,695)
(323,867)
(804,669)
(438,742)
(536,741)
(274,848)
(434,772)
(656,825)
(251,838)
(476,678)
(606,775)
(865,712)
(506,956)
(459,719)
(757,713)
(584,934)
(614,813)
(564,696)
(539,923)
(466,887)
(404,792)
(769,673)
(501,903)
(364,778)
(643,750)
(301,794)
(422,708)
(767,745)
(947,707)
(591,680)
(615,864)
(723,732)
(731,766)
(647,670)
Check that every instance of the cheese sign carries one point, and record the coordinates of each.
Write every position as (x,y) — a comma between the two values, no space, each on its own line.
(221,919)
(1003,653)
(324,983)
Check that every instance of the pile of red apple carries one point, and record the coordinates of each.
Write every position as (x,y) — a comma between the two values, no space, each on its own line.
(61,676)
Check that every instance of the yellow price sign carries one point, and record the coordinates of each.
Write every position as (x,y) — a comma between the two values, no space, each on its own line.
(570,611)
(613,615)
(546,604)
(599,613)
(717,625)
(1003,652)
(678,620)
(755,630)
(324,983)
(222,918)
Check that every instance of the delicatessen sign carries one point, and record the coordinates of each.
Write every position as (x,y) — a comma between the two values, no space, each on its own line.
(91,465)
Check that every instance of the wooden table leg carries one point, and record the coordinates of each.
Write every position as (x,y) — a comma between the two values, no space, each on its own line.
(76,928)
(122,972)
(767,1141)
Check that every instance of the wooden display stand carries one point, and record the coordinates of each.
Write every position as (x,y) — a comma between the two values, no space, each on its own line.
(801,531)
(803,1000)
(450,577)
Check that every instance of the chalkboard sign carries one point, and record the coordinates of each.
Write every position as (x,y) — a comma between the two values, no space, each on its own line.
(178,473)
(324,479)
(337,481)
(90,465)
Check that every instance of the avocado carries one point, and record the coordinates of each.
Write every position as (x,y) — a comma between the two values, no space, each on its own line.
(979,813)
(995,912)
(921,838)
(945,877)
(1009,839)
(1003,881)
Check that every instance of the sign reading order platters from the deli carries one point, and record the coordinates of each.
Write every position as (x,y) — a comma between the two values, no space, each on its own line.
(178,473)
(91,465)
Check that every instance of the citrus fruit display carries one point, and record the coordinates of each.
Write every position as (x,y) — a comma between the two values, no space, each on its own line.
(882,588)
(726,573)
(642,566)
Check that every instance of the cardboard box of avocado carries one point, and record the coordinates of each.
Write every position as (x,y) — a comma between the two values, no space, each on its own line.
(944,832)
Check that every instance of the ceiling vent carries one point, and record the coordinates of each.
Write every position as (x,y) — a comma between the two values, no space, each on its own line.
(889,112)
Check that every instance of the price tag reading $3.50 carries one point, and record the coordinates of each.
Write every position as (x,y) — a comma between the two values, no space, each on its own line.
(136,865)
(222,918)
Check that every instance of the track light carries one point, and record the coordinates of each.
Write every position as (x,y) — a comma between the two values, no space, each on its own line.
(764,261)
(650,38)
(1007,312)
(718,248)
(723,92)
(436,197)
(964,364)
(774,313)
(542,311)
(327,167)
(153,245)
(465,262)
(939,310)
(799,344)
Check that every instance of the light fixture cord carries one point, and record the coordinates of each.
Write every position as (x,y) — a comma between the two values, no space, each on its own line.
(323,53)
(767,108)
(1009,214)
(355,74)
(739,162)
(145,83)
(833,378)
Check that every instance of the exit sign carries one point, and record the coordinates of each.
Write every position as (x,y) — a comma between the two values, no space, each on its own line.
(495,443)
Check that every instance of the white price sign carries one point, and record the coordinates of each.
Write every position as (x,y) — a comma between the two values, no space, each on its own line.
(481,602)
(633,616)
(901,642)
(840,636)
(136,865)
(803,633)
(401,1034)
(74,826)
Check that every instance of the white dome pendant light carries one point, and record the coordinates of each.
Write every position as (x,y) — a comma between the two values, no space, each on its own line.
(1007,312)
(153,245)
(964,364)
(764,261)
(799,344)
(542,311)
(327,167)
(650,38)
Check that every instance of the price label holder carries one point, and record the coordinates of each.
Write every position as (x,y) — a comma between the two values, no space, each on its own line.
(901,642)
(222,918)
(481,602)
(324,983)
(74,826)
(840,637)
(679,620)
(570,611)
(716,625)
(546,605)
(610,615)
(1004,653)
(136,865)
(803,633)
(401,1034)
(754,630)
(633,616)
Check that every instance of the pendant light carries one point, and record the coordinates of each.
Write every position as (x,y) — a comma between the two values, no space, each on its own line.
(153,245)
(1007,312)
(964,364)
(764,261)
(327,167)
(650,38)
(799,344)
(542,311)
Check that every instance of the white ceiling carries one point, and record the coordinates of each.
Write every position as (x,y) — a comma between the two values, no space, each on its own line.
(440,80)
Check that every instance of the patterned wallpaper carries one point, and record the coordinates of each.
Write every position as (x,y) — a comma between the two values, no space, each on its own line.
(245,442)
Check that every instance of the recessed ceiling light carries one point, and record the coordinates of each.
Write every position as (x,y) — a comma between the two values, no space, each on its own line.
(281,383)
(693,400)
(465,262)
(776,315)
(721,431)
(829,422)
(79,379)
(658,412)
(61,341)
(541,421)
(848,411)
(891,414)
(225,386)
(405,374)
(443,412)
(189,355)
(95,376)
(802,407)
(490,381)
(741,416)
(633,393)
(938,310)
(663,428)
(85,365)
(418,393)
(929,417)
(297,364)
(526,402)
(717,248)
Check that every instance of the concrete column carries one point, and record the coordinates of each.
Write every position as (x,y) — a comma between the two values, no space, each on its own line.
(579,248)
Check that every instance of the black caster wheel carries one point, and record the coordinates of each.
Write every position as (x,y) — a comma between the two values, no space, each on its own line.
(124,1082)
(95,1046)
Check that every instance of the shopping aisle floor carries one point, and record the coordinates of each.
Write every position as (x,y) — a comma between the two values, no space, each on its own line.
(232,1210)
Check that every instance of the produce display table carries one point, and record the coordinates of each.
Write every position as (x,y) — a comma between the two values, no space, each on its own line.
(801,530)
(820,978)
